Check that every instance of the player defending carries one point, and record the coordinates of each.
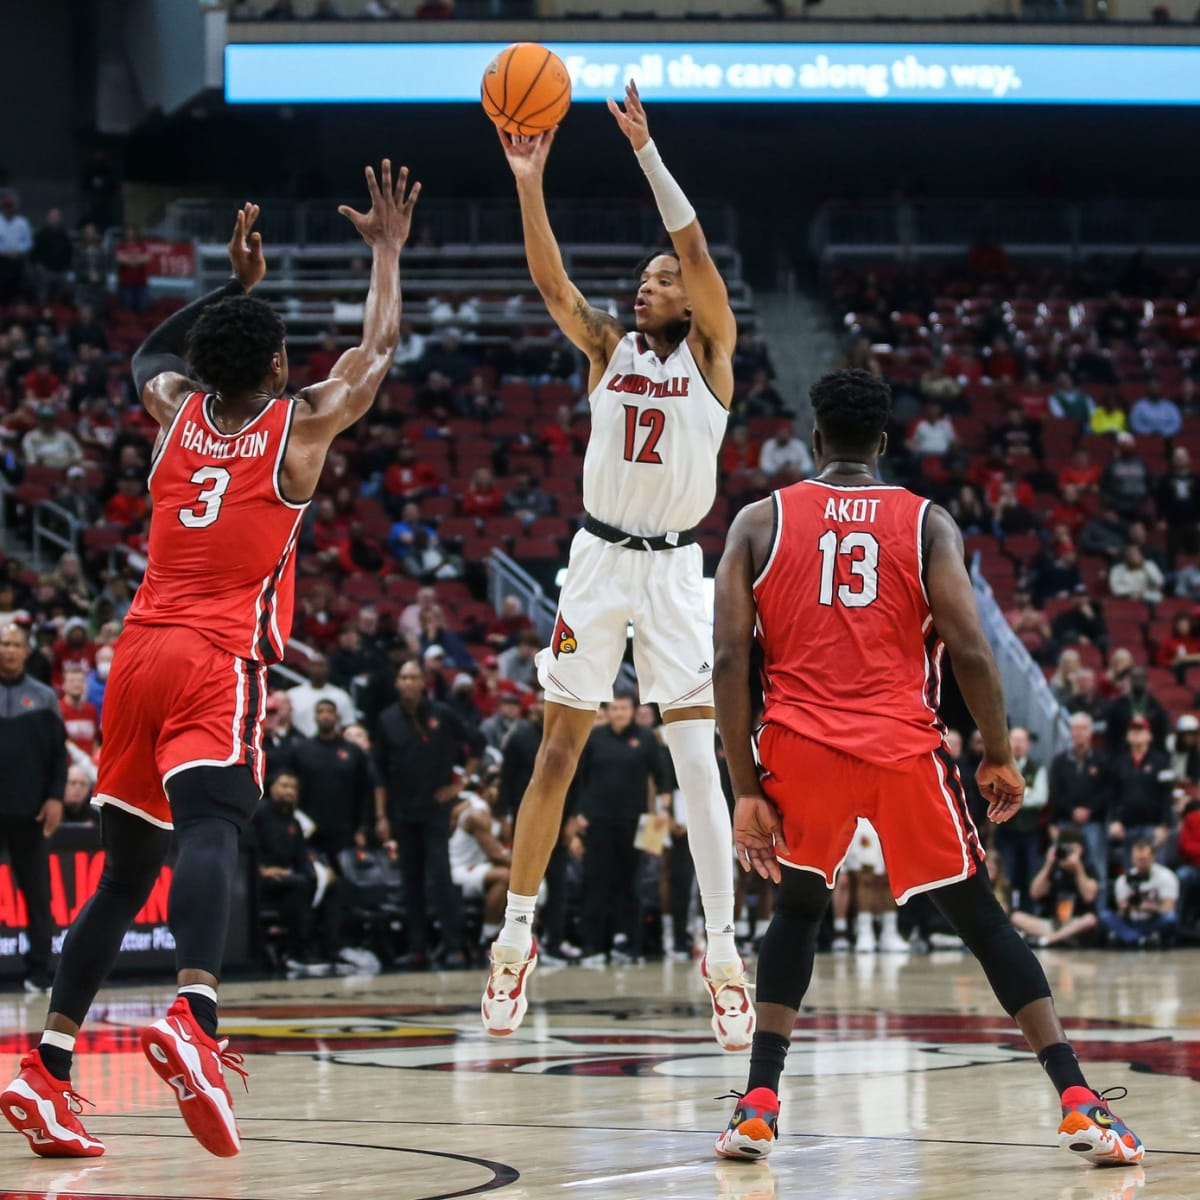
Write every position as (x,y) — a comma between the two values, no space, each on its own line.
(660,398)
(233,469)
(855,590)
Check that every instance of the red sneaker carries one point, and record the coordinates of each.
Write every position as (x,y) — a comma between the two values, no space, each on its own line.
(184,1056)
(46,1110)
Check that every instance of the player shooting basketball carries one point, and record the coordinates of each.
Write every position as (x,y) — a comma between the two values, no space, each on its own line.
(659,398)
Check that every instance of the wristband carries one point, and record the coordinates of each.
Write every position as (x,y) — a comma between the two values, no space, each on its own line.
(673,205)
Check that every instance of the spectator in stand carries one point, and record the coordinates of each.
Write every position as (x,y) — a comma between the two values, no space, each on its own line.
(1108,417)
(1143,789)
(482,497)
(417,748)
(462,700)
(433,668)
(1125,482)
(1056,575)
(408,480)
(1070,402)
(1086,697)
(1183,748)
(322,359)
(435,398)
(1066,893)
(1180,649)
(496,728)
(785,458)
(445,357)
(1139,536)
(80,716)
(350,662)
(1146,896)
(1188,849)
(85,330)
(969,511)
(1000,363)
(479,400)
(16,241)
(435,633)
(408,625)
(1069,510)
(77,799)
(1133,701)
(51,259)
(1083,622)
(762,399)
(1012,507)
(1154,415)
(410,530)
(1066,671)
(933,433)
(91,269)
(937,385)
(1179,506)
(749,357)
(517,664)
(42,384)
(336,788)
(410,350)
(280,736)
(1136,577)
(964,366)
(1080,793)
(479,861)
(1030,625)
(527,500)
(1187,578)
(1104,535)
(97,679)
(739,453)
(75,651)
(513,620)
(49,446)
(560,438)
(133,271)
(1080,472)
(1092,365)
(1018,840)
(128,506)
(304,697)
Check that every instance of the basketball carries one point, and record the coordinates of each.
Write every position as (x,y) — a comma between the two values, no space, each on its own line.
(526,89)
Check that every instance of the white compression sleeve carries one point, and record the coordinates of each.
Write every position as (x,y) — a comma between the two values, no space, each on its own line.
(673,205)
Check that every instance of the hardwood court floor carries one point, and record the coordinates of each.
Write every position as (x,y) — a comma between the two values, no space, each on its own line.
(904,1082)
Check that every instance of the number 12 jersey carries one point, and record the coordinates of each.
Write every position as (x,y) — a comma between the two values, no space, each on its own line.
(851,655)
(222,536)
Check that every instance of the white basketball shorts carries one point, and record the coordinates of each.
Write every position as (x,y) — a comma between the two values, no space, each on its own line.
(865,853)
(662,593)
(471,879)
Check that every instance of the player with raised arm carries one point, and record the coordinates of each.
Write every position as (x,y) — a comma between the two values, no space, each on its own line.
(854,590)
(660,397)
(234,466)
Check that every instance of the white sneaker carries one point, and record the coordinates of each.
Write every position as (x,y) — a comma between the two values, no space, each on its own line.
(841,944)
(733,1018)
(864,938)
(594,962)
(505,999)
(890,942)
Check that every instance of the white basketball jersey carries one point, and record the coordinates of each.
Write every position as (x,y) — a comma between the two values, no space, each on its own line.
(651,461)
(464,850)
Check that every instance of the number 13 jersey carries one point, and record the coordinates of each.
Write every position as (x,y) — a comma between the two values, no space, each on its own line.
(851,656)
(222,537)
(651,461)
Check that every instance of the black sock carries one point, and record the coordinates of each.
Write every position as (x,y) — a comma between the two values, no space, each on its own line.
(1062,1066)
(56,1060)
(768,1053)
(204,1011)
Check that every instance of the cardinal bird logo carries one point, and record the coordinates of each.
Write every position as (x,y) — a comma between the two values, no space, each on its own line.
(564,641)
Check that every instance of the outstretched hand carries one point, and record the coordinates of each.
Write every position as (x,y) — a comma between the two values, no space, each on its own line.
(758,836)
(245,248)
(527,155)
(632,119)
(389,219)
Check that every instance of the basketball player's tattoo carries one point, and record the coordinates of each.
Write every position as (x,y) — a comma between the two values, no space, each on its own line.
(595,322)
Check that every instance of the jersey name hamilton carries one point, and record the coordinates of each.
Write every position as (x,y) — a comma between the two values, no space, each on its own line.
(651,461)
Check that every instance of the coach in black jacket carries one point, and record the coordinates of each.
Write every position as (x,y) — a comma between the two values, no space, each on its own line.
(417,746)
(33,759)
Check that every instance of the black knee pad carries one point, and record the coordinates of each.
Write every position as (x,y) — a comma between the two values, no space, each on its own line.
(134,852)
(230,793)
(1011,966)
(801,894)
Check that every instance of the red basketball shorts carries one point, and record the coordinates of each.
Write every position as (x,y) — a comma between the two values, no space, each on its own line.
(174,701)
(917,807)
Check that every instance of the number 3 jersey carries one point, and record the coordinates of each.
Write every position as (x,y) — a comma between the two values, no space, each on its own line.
(651,461)
(851,657)
(222,537)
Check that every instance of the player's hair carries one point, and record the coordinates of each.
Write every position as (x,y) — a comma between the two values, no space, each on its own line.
(642,266)
(232,342)
(851,409)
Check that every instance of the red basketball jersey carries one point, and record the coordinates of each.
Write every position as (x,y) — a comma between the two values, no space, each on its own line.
(222,537)
(852,659)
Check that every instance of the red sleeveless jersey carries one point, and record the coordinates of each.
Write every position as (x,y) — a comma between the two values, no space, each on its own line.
(222,537)
(852,659)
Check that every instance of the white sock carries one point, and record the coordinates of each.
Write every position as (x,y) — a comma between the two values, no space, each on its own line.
(199,989)
(888,923)
(864,921)
(841,925)
(63,1041)
(710,833)
(517,932)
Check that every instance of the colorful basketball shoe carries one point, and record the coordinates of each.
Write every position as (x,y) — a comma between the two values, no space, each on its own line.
(193,1064)
(733,1017)
(46,1110)
(753,1128)
(506,997)
(1093,1131)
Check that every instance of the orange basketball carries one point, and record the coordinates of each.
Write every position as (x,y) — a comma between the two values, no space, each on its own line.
(526,89)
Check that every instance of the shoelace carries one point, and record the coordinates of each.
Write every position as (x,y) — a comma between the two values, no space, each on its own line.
(234,1061)
(75,1102)
(500,969)
(731,1096)
(1113,1093)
